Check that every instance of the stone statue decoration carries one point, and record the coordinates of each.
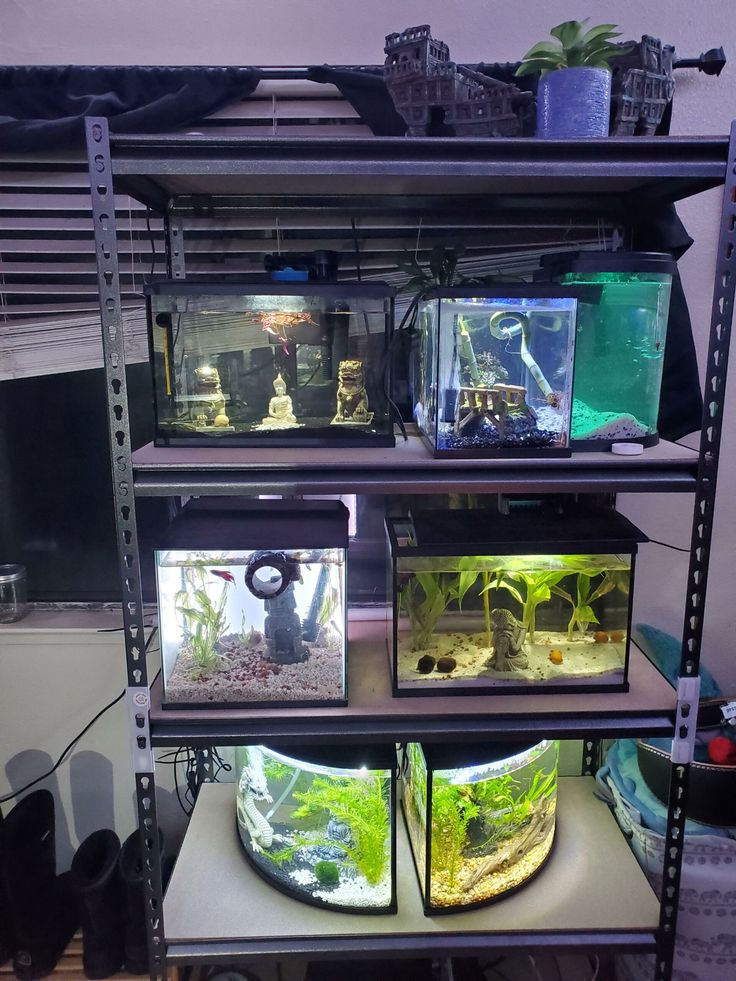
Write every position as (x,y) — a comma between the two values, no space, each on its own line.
(283,629)
(280,409)
(352,398)
(508,642)
(207,403)
(437,97)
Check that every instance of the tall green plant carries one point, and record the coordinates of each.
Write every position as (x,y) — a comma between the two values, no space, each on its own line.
(424,598)
(361,804)
(586,594)
(537,588)
(574,47)
(203,619)
(452,811)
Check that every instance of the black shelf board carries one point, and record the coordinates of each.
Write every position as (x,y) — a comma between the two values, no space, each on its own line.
(407,468)
(157,169)
(374,715)
(591,893)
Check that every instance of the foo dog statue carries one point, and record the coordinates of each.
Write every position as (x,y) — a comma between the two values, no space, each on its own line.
(352,398)
(208,402)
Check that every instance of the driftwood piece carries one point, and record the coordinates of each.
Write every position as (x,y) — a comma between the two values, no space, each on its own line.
(539,827)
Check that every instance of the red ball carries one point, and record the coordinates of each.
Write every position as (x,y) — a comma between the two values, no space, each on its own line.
(722,750)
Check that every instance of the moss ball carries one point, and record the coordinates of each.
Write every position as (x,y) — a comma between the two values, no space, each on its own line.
(446,664)
(600,637)
(617,636)
(328,874)
(425,664)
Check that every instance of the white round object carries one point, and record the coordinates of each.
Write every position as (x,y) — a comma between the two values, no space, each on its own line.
(627,449)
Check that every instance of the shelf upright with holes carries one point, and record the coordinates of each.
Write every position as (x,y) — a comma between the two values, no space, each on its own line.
(174,176)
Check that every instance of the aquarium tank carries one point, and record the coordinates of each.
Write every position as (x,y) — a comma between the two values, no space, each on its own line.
(620,344)
(495,370)
(505,603)
(480,820)
(321,826)
(251,601)
(271,364)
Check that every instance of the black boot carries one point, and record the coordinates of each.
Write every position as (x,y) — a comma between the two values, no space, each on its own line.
(131,871)
(96,879)
(42,905)
(7,931)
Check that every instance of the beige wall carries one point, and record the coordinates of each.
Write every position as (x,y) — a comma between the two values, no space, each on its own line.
(296,32)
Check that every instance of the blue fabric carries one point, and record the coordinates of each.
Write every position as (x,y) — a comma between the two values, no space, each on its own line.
(622,768)
(664,651)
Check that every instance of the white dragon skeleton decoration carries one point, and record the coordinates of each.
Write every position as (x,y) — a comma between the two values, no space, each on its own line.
(253,786)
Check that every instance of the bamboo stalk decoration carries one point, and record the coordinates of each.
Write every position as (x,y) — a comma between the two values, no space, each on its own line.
(487,609)
(521,326)
(467,352)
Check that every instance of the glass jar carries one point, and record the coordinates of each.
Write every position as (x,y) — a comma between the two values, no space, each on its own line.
(13,593)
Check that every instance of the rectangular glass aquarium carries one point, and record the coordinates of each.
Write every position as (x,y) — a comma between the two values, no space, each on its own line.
(252,607)
(480,820)
(531,600)
(620,345)
(271,364)
(495,370)
(320,825)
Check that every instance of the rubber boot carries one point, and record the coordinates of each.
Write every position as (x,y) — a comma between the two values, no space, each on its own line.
(134,904)
(42,905)
(96,880)
(7,928)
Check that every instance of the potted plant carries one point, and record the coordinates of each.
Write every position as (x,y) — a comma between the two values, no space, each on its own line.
(574,92)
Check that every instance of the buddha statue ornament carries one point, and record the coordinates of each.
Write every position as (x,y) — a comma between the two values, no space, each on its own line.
(280,409)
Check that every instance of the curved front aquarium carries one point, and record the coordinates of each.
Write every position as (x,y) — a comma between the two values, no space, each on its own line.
(620,344)
(495,370)
(252,604)
(537,599)
(480,820)
(270,364)
(320,826)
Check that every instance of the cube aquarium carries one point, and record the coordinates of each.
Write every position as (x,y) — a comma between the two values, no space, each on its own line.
(320,825)
(252,607)
(272,364)
(481,820)
(504,603)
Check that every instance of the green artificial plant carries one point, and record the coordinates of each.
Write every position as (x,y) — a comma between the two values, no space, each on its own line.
(574,47)
(203,620)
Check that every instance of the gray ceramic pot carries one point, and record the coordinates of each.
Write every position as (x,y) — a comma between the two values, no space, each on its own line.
(574,102)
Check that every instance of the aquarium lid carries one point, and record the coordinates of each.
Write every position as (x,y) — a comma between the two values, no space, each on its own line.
(267,287)
(347,756)
(533,530)
(450,756)
(560,263)
(514,291)
(225,524)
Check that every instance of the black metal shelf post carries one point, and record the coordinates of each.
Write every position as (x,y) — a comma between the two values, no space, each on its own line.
(175,175)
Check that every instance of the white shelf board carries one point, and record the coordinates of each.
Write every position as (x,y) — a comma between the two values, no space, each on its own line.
(591,889)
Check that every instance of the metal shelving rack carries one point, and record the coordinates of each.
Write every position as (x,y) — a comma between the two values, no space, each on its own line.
(183,177)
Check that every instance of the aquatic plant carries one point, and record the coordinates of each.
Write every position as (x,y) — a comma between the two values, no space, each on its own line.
(203,620)
(362,805)
(276,770)
(424,598)
(574,47)
(248,636)
(452,811)
(586,594)
(328,874)
(537,588)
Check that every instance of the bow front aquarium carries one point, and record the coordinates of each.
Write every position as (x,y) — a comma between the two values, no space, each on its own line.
(480,820)
(252,607)
(495,370)
(533,600)
(272,364)
(321,826)
(619,354)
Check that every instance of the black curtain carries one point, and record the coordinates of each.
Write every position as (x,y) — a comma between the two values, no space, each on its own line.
(43,108)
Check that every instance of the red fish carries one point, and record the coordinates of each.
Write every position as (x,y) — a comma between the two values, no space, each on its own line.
(227,576)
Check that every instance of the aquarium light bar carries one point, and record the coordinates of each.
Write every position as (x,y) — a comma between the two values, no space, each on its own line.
(485,771)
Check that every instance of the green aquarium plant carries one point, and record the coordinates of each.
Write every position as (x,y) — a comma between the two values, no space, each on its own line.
(452,811)
(536,588)
(203,620)
(586,593)
(362,805)
(574,47)
(424,597)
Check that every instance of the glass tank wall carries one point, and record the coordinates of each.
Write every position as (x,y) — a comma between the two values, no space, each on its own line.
(619,353)
(495,372)
(481,823)
(526,605)
(276,364)
(252,605)
(321,827)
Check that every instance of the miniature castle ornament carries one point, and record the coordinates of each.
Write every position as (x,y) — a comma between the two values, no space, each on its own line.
(280,409)
(352,398)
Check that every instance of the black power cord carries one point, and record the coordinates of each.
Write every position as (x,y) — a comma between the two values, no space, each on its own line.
(70,746)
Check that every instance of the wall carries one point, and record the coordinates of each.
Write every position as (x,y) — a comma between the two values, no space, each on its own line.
(333,31)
